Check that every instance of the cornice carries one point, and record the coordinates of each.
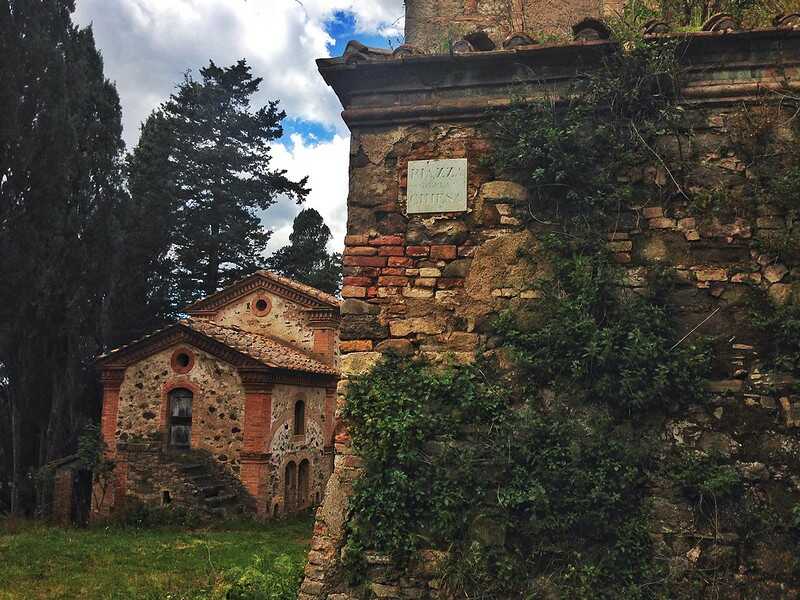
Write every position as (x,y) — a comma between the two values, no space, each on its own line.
(211,305)
(721,67)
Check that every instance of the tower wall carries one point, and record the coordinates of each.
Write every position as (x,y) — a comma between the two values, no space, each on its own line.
(430,24)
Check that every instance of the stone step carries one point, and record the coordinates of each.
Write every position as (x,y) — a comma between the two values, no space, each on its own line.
(193,468)
(211,490)
(220,499)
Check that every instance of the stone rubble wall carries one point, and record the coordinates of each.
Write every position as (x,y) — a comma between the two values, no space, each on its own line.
(431,284)
(285,321)
(430,24)
(217,406)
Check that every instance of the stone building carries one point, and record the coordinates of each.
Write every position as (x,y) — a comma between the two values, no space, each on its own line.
(231,408)
(427,282)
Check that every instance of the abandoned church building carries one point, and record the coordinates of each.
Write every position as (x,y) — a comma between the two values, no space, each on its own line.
(232,408)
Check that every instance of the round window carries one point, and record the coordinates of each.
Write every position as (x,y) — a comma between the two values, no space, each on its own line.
(261,306)
(182,360)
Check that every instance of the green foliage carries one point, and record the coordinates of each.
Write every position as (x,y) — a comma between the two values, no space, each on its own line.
(265,579)
(230,560)
(405,419)
(142,516)
(60,160)
(706,478)
(795,522)
(306,258)
(590,340)
(780,328)
(560,149)
(519,495)
(92,450)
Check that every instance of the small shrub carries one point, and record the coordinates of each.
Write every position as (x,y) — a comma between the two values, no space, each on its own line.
(707,478)
(264,579)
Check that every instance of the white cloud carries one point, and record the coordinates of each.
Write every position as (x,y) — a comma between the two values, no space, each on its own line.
(326,165)
(149,44)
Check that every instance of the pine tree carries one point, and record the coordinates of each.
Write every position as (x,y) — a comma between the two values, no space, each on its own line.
(306,258)
(219,160)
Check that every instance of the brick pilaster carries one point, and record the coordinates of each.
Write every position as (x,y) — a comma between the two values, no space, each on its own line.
(255,458)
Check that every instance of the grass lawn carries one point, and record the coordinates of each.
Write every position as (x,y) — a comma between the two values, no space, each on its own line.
(41,561)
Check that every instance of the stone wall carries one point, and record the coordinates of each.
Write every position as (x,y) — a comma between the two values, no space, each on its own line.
(430,24)
(287,447)
(285,321)
(217,406)
(430,284)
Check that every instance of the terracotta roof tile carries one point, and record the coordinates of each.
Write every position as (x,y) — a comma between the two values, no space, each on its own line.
(301,287)
(268,351)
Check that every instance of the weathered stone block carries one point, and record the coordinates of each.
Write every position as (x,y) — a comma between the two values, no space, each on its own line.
(406,327)
(362,327)
(358,307)
(358,363)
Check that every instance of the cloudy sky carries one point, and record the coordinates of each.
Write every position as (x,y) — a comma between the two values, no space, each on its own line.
(149,44)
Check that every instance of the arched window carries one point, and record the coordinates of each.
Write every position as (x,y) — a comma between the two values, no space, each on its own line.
(290,487)
(300,418)
(303,479)
(180,418)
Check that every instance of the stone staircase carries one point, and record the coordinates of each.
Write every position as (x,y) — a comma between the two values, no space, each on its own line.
(215,492)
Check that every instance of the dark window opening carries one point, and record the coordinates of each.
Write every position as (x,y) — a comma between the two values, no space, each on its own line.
(180,418)
(165,498)
(262,305)
(183,360)
(300,418)
(290,487)
(303,480)
(481,41)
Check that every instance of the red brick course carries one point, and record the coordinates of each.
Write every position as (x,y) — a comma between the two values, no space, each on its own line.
(360,251)
(444,252)
(387,240)
(364,261)
(417,250)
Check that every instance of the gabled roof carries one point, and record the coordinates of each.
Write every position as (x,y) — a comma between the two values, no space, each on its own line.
(265,350)
(292,290)
(236,346)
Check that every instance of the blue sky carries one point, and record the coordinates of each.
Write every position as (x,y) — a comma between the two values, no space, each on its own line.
(148,45)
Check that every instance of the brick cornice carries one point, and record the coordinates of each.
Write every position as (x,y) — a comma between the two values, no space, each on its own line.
(112,377)
(722,68)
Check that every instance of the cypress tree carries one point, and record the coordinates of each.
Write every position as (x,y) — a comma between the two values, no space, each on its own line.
(60,185)
(306,258)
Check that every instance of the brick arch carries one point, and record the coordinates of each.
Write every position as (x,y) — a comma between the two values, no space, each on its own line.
(297,458)
(174,383)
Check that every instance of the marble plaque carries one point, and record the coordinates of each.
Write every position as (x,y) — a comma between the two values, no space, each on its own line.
(437,186)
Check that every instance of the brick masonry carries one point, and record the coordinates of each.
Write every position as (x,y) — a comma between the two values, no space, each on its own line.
(458,270)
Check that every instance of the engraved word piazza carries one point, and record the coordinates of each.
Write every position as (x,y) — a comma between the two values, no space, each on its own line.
(436,186)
